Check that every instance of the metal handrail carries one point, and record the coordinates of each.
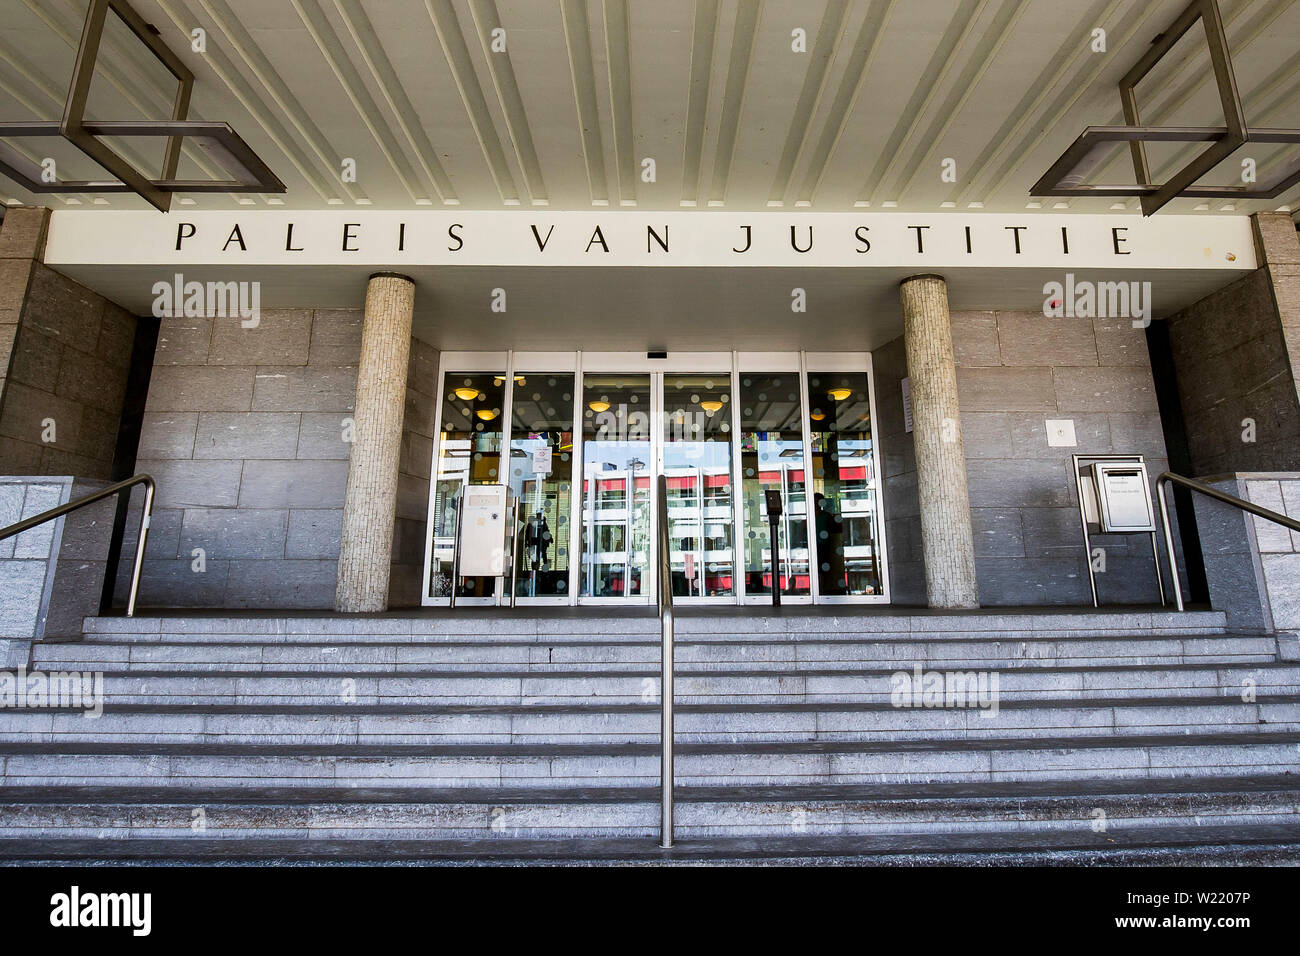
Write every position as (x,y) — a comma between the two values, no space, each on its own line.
(28,523)
(1210,492)
(666,671)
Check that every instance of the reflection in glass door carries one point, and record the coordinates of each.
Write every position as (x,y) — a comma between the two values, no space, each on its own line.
(541,469)
(772,458)
(617,466)
(696,461)
(844,486)
(721,428)
(469,452)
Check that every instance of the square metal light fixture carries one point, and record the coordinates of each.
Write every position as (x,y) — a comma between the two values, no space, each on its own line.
(1094,144)
(219,140)
(1066,176)
(1207,11)
(73,124)
(226,148)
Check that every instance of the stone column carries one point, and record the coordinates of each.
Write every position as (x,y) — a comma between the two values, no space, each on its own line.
(946,536)
(366,548)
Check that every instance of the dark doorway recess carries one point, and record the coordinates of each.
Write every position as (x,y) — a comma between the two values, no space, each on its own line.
(1180,459)
(128,442)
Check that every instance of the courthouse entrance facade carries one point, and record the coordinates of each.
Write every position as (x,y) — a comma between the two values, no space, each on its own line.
(582,437)
(911,386)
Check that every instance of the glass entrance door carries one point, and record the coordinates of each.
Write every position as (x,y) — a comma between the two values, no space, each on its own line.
(468,453)
(772,459)
(845,502)
(539,475)
(637,427)
(617,487)
(582,439)
(695,458)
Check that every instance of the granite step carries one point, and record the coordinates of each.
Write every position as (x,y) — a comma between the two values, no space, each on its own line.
(1042,759)
(805,653)
(608,686)
(1115,810)
(1260,844)
(639,723)
(610,626)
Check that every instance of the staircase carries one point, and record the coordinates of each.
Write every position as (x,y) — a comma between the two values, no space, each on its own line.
(534,736)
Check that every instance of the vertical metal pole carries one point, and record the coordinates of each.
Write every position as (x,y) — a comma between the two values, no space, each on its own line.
(665,668)
(788,565)
(774,534)
(535,556)
(809,491)
(455,545)
(700,576)
(1083,522)
(1169,543)
(737,480)
(666,777)
(1155,556)
(503,463)
(514,554)
(576,489)
(629,527)
(145,515)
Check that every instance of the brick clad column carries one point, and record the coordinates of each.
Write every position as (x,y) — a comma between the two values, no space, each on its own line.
(365,552)
(946,537)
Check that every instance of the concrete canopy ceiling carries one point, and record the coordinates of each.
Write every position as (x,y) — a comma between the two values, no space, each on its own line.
(710,90)
(615,308)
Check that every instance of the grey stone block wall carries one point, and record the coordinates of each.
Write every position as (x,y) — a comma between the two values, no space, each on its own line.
(27,563)
(22,244)
(82,563)
(1252,564)
(64,356)
(1237,353)
(1277,244)
(1233,368)
(244,432)
(51,577)
(1016,370)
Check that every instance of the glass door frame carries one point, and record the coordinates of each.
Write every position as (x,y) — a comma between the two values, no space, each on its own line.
(846,362)
(629,364)
(507,363)
(469,363)
(759,362)
(568,363)
(579,363)
(637,363)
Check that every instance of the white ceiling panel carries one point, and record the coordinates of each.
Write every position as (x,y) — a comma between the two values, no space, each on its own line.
(585,91)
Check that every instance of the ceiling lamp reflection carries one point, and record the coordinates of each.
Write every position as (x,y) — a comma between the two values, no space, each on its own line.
(486,414)
(598,406)
(839,394)
(467,394)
